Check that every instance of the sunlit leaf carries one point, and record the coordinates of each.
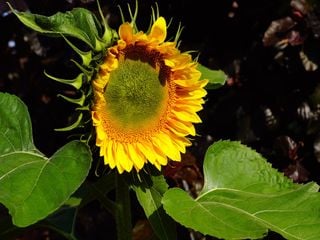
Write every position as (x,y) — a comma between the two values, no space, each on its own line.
(149,195)
(15,126)
(79,23)
(243,197)
(217,78)
(31,185)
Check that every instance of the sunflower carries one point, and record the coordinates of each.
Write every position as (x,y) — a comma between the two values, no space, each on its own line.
(146,98)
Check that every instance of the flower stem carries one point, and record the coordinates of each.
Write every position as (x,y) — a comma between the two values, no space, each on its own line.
(123,213)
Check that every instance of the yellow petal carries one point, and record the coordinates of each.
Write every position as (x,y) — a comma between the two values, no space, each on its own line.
(159,30)
(95,118)
(188,93)
(190,102)
(160,156)
(126,32)
(103,147)
(164,144)
(169,63)
(110,63)
(161,159)
(109,155)
(182,142)
(182,62)
(135,155)
(157,165)
(189,108)
(184,82)
(184,127)
(186,116)
(101,136)
(122,157)
(147,150)
(168,48)
(181,132)
(120,168)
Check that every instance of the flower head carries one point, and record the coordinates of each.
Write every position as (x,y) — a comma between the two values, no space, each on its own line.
(146,98)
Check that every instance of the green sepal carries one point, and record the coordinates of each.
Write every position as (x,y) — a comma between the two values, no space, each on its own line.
(89,92)
(99,45)
(87,72)
(76,82)
(79,23)
(109,34)
(217,78)
(72,126)
(78,101)
(83,108)
(86,57)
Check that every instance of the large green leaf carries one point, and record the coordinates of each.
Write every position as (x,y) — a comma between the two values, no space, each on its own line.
(79,23)
(217,78)
(149,195)
(31,185)
(243,197)
(15,126)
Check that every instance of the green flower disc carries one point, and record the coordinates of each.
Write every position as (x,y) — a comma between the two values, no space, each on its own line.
(134,94)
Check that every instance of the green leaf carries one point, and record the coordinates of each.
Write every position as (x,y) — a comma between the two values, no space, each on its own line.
(217,78)
(79,23)
(149,195)
(31,185)
(15,126)
(243,197)
(231,165)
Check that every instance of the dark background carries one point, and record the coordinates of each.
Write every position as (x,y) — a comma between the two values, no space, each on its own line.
(270,101)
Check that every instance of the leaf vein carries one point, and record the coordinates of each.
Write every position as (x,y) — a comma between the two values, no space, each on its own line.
(253,216)
(14,169)
(8,139)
